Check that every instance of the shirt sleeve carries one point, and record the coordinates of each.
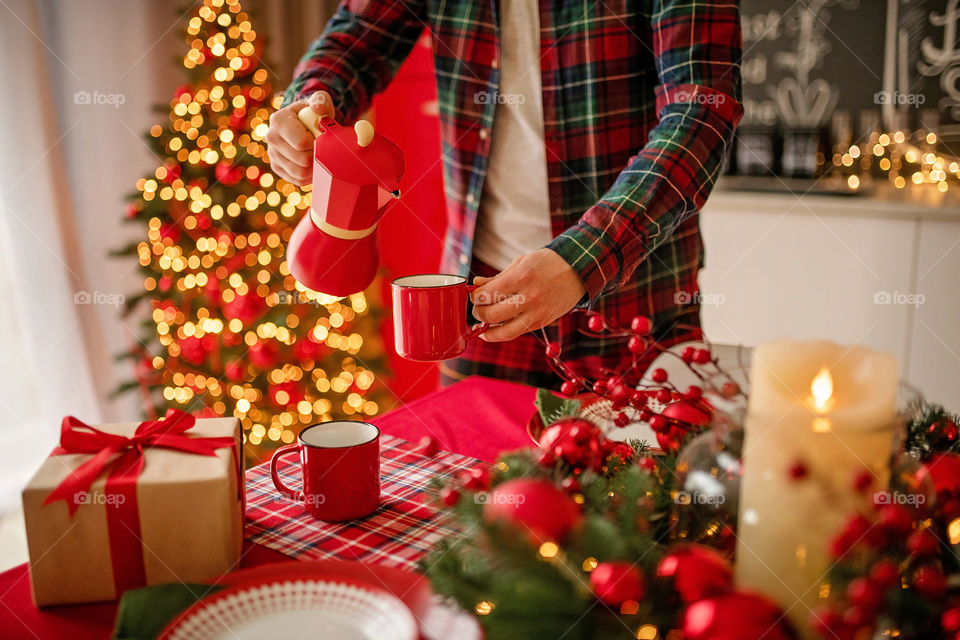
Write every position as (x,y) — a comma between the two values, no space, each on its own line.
(358,54)
(697,47)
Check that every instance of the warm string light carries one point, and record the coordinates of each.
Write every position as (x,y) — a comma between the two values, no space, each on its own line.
(900,156)
(199,207)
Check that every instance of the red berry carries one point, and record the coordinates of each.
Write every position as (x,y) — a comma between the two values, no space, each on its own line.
(640,325)
(895,519)
(730,389)
(950,620)
(638,398)
(648,463)
(664,396)
(687,355)
(693,393)
(620,392)
(659,376)
(862,481)
(701,356)
(570,484)
(596,323)
(569,388)
(885,573)
(855,617)
(600,387)
(476,479)
(863,593)
(798,470)
(950,431)
(621,420)
(923,544)
(636,345)
(930,582)
(825,621)
(449,496)
(553,349)
(658,423)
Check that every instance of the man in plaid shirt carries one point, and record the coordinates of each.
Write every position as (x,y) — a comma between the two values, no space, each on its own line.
(635,106)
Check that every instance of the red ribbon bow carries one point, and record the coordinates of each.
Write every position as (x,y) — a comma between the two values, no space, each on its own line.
(78,437)
(123,517)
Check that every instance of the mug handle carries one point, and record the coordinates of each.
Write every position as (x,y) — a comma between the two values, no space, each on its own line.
(283,489)
(477,329)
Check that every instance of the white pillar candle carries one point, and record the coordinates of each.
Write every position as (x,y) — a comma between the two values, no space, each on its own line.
(832,409)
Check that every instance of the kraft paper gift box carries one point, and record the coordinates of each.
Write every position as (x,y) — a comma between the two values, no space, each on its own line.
(168,515)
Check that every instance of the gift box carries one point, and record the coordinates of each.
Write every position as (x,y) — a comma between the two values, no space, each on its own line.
(125,505)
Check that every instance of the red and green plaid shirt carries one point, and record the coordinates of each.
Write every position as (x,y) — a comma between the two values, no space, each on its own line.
(640,102)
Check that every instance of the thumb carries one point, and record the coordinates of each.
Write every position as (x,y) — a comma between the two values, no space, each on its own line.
(322,104)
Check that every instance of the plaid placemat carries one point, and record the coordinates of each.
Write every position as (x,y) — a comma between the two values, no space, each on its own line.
(397,534)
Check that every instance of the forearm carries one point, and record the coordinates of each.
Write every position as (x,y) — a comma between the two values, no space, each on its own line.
(669,179)
(358,54)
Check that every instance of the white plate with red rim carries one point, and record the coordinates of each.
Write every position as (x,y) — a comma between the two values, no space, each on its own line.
(305,608)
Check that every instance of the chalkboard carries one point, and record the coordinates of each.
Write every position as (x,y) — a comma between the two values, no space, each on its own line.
(802,61)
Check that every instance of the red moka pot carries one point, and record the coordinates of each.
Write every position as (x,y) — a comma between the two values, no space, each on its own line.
(356,175)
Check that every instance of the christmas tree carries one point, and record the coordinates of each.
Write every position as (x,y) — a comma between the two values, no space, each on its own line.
(231,333)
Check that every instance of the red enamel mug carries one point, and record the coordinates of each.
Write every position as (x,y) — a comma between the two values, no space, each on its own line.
(340,463)
(430,316)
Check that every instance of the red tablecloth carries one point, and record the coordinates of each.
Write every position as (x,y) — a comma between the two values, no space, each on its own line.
(477,417)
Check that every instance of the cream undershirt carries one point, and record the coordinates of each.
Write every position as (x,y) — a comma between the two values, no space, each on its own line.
(514,213)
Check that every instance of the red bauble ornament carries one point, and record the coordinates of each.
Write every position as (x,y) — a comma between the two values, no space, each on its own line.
(234,371)
(573,440)
(885,573)
(229,174)
(930,582)
(735,616)
(944,472)
(648,464)
(895,519)
(263,355)
(615,583)
(687,413)
(697,572)
(246,308)
(195,350)
(923,544)
(534,507)
(866,594)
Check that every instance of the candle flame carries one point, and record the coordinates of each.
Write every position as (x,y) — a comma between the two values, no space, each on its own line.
(821,389)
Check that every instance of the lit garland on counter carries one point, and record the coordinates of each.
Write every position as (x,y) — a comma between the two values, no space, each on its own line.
(230,328)
(898,159)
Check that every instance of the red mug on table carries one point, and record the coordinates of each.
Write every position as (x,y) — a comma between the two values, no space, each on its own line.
(430,316)
(340,463)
